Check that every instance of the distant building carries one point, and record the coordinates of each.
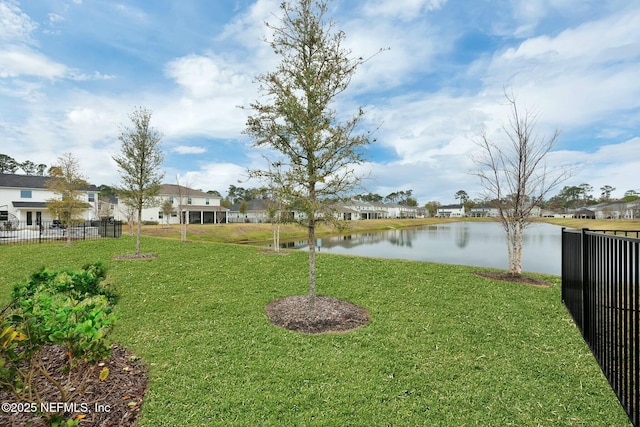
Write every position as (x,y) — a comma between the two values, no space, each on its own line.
(23,200)
(450,211)
(194,206)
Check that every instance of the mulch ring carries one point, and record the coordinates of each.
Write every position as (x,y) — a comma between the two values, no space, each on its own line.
(328,314)
(136,256)
(114,402)
(508,277)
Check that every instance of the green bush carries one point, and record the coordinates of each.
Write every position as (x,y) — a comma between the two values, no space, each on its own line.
(66,308)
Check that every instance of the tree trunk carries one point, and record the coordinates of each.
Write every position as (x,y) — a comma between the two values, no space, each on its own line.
(139,231)
(312,262)
(515,238)
(69,225)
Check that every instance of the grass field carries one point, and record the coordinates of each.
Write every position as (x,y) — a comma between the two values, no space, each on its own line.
(444,347)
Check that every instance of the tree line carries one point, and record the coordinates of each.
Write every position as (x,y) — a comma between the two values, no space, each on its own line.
(9,165)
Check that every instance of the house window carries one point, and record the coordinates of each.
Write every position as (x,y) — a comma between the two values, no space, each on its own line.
(92,197)
(171,199)
(4,215)
(25,194)
(206,201)
(160,215)
(189,200)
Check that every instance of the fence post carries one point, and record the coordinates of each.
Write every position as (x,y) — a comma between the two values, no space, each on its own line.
(584,280)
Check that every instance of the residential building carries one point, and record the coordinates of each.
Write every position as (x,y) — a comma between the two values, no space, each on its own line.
(194,206)
(23,200)
(484,211)
(451,211)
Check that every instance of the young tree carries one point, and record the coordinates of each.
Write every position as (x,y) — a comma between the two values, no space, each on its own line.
(67,181)
(516,176)
(139,162)
(167,210)
(184,200)
(298,119)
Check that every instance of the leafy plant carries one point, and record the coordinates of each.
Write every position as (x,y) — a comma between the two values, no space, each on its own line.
(70,309)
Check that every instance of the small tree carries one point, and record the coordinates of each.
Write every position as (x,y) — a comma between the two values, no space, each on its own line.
(297,118)
(184,200)
(278,197)
(515,175)
(167,210)
(67,181)
(139,161)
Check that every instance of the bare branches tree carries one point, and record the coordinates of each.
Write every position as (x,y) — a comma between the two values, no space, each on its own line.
(297,118)
(184,200)
(516,177)
(139,161)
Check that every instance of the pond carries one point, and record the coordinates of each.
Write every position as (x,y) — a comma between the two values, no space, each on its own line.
(481,244)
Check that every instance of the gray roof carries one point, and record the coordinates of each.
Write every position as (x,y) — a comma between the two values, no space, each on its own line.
(30,181)
(177,190)
(37,205)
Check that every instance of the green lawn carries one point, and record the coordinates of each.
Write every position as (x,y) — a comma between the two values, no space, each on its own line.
(443,348)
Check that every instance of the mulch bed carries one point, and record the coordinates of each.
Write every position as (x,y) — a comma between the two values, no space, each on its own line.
(508,277)
(327,314)
(114,402)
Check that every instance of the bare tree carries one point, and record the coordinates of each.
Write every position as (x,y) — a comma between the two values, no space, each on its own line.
(184,200)
(278,191)
(297,118)
(139,162)
(514,173)
(67,181)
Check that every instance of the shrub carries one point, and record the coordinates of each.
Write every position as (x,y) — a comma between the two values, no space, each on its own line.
(66,308)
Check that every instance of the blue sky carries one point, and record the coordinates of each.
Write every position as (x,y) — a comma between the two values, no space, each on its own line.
(71,71)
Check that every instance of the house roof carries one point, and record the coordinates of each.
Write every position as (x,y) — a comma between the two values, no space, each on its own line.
(177,190)
(450,207)
(30,181)
(252,205)
(35,205)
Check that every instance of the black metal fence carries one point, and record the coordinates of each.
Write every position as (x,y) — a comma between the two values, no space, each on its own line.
(600,288)
(55,231)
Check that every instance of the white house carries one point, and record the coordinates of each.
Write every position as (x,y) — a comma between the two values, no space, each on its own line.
(195,206)
(451,211)
(485,211)
(23,200)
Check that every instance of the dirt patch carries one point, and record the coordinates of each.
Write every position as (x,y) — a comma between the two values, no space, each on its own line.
(136,256)
(327,314)
(114,402)
(507,277)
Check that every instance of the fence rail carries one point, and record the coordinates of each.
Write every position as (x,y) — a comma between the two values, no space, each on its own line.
(600,288)
(54,231)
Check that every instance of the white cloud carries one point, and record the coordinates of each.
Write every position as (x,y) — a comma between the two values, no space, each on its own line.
(186,149)
(217,176)
(15,26)
(16,61)
(403,9)
(205,77)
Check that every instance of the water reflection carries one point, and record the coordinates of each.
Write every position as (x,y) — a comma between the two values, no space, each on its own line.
(469,243)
